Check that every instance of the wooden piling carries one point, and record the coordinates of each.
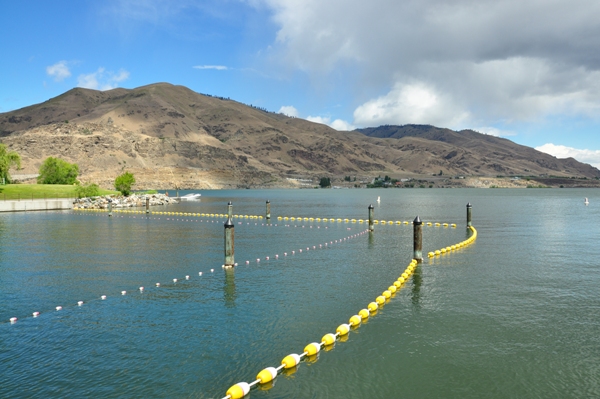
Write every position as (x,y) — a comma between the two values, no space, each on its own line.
(147,205)
(371,225)
(229,241)
(469,207)
(418,239)
(268,210)
(229,210)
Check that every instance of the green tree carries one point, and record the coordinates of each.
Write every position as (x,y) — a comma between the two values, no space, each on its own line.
(58,171)
(124,182)
(8,159)
(325,182)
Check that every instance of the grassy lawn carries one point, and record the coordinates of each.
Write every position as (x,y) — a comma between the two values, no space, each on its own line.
(33,191)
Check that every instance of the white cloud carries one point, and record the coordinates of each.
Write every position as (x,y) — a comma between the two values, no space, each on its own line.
(102,79)
(59,71)
(288,110)
(492,131)
(216,67)
(337,124)
(411,103)
(560,151)
(458,64)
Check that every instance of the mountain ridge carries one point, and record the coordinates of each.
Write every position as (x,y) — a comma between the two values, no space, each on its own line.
(170,135)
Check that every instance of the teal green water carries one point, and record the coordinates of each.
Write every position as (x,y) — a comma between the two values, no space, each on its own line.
(515,315)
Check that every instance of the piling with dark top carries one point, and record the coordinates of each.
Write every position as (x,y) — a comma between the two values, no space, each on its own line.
(469,206)
(109,208)
(268,210)
(147,205)
(229,242)
(418,239)
(371,228)
(230,210)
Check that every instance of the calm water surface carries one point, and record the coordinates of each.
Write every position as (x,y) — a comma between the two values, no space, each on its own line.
(515,315)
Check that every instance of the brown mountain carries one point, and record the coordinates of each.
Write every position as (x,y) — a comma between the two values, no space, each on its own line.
(169,135)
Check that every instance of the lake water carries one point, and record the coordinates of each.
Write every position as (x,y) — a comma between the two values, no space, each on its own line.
(515,315)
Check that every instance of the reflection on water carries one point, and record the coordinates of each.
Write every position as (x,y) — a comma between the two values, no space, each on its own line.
(229,287)
(511,316)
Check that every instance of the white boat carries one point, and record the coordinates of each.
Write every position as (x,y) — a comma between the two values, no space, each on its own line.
(191,197)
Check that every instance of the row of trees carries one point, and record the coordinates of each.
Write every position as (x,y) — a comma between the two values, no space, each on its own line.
(58,171)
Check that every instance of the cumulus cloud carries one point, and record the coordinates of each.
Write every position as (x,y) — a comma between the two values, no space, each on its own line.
(465,62)
(102,79)
(288,110)
(560,151)
(59,71)
(492,131)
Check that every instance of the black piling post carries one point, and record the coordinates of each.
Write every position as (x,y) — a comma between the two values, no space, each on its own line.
(229,210)
(229,241)
(268,210)
(418,239)
(109,207)
(469,207)
(147,205)
(371,217)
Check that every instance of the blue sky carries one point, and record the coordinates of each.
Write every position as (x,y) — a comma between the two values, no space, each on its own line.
(527,70)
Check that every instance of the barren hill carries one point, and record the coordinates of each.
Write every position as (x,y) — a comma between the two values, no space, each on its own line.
(171,136)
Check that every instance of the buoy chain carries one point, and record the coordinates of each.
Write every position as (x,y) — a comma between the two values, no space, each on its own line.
(268,374)
(285,218)
(457,246)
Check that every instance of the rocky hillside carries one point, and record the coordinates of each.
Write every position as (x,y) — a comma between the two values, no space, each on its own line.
(171,136)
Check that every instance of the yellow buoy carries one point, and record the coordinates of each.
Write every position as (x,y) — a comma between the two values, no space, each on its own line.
(267,375)
(397,284)
(401,280)
(312,349)
(386,294)
(328,339)
(290,361)
(372,307)
(380,300)
(392,288)
(239,390)
(343,329)
(364,313)
(355,320)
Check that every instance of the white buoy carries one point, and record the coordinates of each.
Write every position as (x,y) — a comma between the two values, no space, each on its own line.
(258,260)
(199,273)
(235,264)
(586,201)
(13,320)
(247,262)
(141,289)
(187,277)
(36,314)
(123,292)
(58,308)
(174,280)
(103,297)
(79,303)
(267,258)
(158,284)
(212,270)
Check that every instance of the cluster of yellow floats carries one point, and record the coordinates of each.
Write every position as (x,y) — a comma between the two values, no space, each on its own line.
(340,220)
(284,218)
(461,244)
(268,374)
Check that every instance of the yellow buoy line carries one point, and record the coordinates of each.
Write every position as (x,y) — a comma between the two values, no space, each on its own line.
(268,374)
(285,218)
(454,247)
